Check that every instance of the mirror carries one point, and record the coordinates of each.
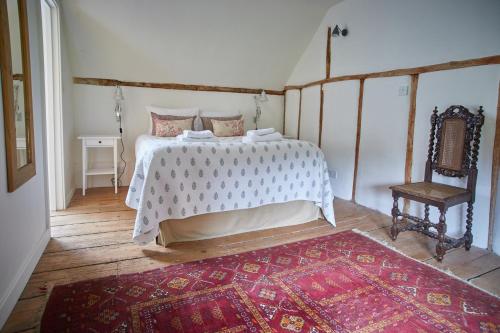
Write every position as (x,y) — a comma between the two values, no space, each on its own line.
(17,70)
(16,92)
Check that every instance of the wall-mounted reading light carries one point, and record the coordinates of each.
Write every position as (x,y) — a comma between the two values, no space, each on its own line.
(119,100)
(118,97)
(338,31)
(259,99)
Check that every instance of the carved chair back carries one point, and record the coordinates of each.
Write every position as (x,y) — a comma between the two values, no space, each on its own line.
(454,144)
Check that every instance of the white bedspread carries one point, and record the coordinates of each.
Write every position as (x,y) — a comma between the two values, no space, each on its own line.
(175,180)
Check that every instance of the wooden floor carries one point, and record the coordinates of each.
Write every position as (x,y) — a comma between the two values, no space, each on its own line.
(92,239)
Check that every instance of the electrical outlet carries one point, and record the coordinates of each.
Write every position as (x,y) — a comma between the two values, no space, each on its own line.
(332,174)
(403,90)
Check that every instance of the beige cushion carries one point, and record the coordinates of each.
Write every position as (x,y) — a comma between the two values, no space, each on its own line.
(228,127)
(163,111)
(170,128)
(155,116)
(207,121)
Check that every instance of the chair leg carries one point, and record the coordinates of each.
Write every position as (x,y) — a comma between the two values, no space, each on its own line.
(426,217)
(441,229)
(468,232)
(395,214)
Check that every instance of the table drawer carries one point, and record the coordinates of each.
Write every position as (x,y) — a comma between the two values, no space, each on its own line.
(99,142)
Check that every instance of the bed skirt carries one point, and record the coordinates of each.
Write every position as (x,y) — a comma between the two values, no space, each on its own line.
(220,224)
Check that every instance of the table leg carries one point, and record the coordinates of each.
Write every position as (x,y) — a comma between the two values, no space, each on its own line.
(84,167)
(441,228)
(395,215)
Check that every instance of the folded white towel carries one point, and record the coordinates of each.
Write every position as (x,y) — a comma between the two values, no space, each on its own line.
(198,134)
(276,136)
(263,131)
(182,138)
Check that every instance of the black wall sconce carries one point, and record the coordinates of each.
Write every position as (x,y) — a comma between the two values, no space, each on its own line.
(338,31)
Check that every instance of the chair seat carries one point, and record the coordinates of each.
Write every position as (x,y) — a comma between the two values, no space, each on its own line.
(433,193)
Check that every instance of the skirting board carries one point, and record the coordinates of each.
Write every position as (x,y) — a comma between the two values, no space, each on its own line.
(16,287)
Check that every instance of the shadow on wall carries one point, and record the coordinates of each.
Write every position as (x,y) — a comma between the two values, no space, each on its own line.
(110,40)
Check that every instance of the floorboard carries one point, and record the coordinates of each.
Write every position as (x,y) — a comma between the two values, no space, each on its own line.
(89,240)
(92,239)
(91,218)
(489,281)
(91,228)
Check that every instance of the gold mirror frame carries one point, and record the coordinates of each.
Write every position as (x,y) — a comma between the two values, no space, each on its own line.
(16,176)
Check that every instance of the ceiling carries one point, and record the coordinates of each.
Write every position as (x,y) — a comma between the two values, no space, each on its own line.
(239,43)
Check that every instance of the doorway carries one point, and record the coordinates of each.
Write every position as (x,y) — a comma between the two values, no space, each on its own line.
(53,103)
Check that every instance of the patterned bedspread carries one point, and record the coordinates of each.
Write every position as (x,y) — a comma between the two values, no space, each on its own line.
(175,180)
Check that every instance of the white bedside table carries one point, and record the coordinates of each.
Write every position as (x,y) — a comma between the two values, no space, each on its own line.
(99,141)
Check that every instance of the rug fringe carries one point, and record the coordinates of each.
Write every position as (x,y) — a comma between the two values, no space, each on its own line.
(445,271)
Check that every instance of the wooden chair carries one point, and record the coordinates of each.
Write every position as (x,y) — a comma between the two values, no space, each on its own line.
(457,133)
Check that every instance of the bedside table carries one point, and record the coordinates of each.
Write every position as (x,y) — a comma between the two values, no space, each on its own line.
(99,141)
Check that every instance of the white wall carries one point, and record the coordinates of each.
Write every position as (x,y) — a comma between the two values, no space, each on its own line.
(382,149)
(292,112)
(310,114)
(94,107)
(340,116)
(391,34)
(24,219)
(252,44)
(68,117)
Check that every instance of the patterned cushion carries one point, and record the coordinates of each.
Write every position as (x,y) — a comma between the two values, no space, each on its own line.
(155,116)
(207,121)
(228,127)
(170,128)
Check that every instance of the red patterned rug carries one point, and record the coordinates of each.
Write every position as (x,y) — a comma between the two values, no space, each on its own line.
(338,283)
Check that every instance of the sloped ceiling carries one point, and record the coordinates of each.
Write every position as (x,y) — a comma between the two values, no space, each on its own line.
(239,43)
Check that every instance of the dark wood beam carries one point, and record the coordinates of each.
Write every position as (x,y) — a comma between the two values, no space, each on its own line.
(328,52)
(284,113)
(172,86)
(495,171)
(358,137)
(322,100)
(492,60)
(300,114)
(411,133)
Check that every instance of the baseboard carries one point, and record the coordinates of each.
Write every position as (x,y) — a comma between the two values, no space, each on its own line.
(9,299)
(69,196)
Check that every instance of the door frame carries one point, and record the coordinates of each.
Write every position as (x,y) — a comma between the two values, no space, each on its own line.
(53,104)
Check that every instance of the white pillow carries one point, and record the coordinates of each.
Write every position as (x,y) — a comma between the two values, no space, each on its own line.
(162,111)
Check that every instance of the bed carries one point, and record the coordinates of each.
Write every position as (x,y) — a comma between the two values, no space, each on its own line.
(187,191)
